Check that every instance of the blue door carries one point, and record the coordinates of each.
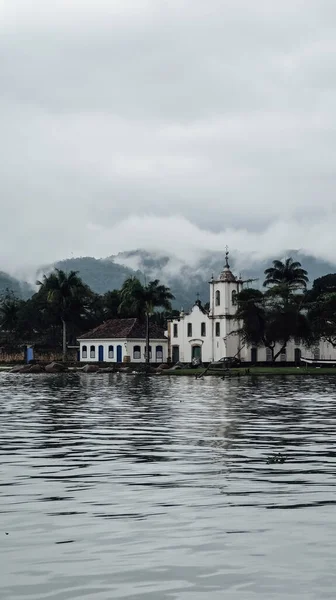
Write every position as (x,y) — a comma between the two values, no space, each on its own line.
(119,354)
(30,354)
(101,353)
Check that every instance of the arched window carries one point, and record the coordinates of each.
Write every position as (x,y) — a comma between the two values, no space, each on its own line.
(159,352)
(316,354)
(203,329)
(217,298)
(268,355)
(189,330)
(217,329)
(92,351)
(136,352)
(283,355)
(111,352)
(84,351)
(234,298)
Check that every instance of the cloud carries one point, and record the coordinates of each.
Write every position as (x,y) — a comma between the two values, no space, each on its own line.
(181,125)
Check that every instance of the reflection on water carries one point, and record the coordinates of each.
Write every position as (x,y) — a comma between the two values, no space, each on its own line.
(116,486)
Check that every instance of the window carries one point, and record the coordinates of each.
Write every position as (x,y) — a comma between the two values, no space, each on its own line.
(234,298)
(175,333)
(283,355)
(159,352)
(268,355)
(203,329)
(92,351)
(297,341)
(217,301)
(150,351)
(84,352)
(136,352)
(111,352)
(217,329)
(316,354)
(189,329)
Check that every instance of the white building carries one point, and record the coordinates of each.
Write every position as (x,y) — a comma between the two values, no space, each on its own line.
(208,335)
(123,340)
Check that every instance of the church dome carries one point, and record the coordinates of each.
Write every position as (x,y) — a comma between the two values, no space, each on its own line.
(226,274)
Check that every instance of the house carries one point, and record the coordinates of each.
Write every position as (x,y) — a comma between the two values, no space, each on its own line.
(123,340)
(212,335)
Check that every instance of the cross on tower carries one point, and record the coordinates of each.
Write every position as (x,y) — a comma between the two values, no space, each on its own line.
(227,257)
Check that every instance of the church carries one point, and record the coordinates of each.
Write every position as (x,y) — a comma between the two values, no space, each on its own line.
(212,335)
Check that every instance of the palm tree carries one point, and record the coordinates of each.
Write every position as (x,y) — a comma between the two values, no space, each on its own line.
(9,312)
(63,291)
(286,276)
(141,300)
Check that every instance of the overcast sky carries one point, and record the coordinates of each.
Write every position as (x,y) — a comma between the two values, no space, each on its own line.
(166,124)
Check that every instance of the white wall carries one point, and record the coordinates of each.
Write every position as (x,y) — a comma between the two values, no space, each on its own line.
(327,352)
(185,341)
(127,350)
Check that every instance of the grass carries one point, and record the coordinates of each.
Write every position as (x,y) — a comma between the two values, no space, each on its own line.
(254,371)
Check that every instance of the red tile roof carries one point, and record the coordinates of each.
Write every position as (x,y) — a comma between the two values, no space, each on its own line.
(123,328)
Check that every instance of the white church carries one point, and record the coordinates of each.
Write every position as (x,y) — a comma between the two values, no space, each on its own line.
(209,336)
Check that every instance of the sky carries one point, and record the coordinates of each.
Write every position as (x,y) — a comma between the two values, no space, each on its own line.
(171,125)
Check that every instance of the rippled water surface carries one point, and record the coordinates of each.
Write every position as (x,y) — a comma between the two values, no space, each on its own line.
(116,486)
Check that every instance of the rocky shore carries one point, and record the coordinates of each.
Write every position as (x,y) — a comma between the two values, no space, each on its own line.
(56,367)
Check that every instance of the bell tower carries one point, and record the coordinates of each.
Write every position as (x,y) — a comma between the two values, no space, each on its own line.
(223,300)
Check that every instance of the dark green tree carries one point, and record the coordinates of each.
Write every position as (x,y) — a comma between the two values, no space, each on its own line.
(140,301)
(270,320)
(322,316)
(286,277)
(67,296)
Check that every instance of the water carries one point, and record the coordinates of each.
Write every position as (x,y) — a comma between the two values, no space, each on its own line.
(116,486)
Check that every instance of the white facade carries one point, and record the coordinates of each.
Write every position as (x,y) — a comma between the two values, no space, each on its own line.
(209,336)
(115,350)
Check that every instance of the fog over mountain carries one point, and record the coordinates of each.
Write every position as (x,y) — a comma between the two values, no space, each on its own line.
(186,278)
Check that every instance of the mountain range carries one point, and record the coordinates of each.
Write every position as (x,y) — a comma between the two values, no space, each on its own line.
(188,281)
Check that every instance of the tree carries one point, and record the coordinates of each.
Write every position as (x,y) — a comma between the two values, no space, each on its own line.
(322,285)
(322,316)
(10,307)
(140,301)
(267,320)
(287,277)
(111,302)
(66,293)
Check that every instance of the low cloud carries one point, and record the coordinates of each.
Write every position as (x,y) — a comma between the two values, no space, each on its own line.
(179,127)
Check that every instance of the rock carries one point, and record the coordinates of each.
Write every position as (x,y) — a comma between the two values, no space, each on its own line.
(21,369)
(125,370)
(106,370)
(162,367)
(90,369)
(55,367)
(36,369)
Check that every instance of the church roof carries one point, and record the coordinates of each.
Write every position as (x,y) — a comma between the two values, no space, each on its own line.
(226,274)
(123,328)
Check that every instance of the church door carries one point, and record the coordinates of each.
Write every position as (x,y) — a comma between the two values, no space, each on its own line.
(175,354)
(196,352)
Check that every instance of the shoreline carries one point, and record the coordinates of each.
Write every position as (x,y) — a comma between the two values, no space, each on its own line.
(253,372)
